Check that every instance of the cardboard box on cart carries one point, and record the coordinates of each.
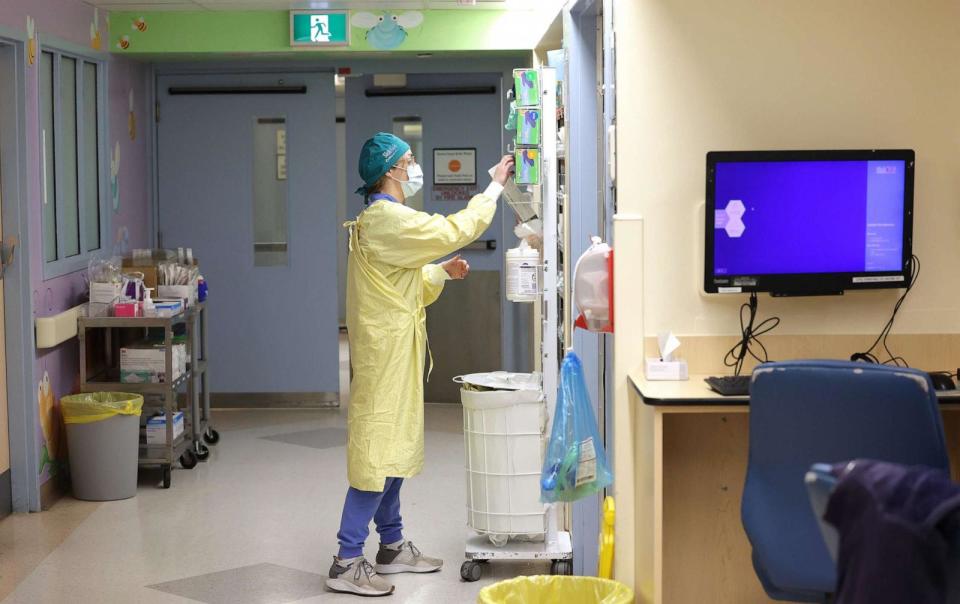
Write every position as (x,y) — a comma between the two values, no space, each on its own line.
(146,363)
(146,262)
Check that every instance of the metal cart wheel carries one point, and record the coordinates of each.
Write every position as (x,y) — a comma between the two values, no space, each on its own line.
(166,476)
(188,460)
(471,571)
(211,436)
(201,451)
(561,567)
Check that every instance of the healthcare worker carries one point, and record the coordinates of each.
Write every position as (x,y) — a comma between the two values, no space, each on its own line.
(390,279)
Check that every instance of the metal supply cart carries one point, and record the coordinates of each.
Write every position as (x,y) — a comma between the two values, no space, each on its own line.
(557,545)
(199,387)
(101,373)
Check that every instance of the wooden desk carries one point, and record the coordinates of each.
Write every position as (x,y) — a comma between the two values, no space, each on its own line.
(696,392)
(690,470)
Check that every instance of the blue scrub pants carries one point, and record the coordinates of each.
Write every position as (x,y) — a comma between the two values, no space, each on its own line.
(360,508)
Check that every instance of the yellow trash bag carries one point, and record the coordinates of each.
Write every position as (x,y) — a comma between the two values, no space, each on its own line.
(98,406)
(548,590)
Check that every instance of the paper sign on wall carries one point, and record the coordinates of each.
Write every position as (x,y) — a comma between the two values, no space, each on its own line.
(454,166)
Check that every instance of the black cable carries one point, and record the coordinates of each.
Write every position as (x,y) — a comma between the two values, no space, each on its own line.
(892,359)
(750,335)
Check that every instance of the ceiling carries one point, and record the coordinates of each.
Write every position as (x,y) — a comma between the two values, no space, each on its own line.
(199,5)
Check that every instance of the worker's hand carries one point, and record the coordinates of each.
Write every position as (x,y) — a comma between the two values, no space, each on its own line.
(504,170)
(456,267)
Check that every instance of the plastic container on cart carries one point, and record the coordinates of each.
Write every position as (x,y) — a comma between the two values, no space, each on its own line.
(103,434)
(523,274)
(504,417)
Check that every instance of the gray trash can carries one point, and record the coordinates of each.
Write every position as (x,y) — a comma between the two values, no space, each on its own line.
(103,439)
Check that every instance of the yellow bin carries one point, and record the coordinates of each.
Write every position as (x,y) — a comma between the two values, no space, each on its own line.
(550,589)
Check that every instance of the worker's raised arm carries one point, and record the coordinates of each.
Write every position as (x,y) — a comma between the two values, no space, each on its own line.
(404,237)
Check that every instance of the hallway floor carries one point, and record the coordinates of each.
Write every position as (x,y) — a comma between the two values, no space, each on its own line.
(255,524)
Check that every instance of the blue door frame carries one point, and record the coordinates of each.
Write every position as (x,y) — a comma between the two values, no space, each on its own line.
(591,212)
(18,313)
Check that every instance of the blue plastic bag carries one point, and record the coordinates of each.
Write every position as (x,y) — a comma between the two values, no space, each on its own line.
(575,465)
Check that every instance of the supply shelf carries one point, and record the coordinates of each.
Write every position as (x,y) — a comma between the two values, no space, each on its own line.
(100,340)
(547,197)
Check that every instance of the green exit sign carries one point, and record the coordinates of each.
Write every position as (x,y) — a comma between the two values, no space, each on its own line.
(319,28)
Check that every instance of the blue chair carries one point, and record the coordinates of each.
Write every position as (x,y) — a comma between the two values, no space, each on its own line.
(803,412)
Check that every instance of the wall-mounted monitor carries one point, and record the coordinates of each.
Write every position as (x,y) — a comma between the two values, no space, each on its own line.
(808,222)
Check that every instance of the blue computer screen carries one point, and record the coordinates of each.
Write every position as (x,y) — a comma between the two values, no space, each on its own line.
(786,217)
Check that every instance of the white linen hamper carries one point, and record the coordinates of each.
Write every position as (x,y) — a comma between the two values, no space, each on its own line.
(504,432)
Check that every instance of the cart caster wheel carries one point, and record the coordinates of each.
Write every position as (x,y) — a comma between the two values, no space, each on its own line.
(202,452)
(166,477)
(561,567)
(211,436)
(471,571)
(188,460)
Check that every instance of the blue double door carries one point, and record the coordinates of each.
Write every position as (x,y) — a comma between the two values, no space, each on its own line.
(247,171)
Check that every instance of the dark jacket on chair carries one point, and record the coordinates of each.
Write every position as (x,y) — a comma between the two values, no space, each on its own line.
(893,546)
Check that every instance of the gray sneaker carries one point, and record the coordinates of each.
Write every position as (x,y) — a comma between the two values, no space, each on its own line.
(405,559)
(357,577)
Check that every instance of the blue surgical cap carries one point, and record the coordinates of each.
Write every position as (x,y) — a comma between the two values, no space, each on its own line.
(377,156)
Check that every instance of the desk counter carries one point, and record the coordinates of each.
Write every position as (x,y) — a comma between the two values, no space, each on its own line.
(690,464)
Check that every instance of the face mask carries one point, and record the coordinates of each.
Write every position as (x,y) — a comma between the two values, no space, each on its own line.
(414,182)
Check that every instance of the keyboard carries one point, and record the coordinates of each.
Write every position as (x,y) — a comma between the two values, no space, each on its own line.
(730,385)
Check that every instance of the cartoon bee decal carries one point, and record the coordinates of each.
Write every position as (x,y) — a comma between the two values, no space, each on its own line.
(132,119)
(123,43)
(388,30)
(31,41)
(140,24)
(49,423)
(96,41)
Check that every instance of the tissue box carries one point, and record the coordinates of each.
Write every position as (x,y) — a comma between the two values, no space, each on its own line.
(104,293)
(187,293)
(126,310)
(655,369)
(157,428)
(167,308)
(146,363)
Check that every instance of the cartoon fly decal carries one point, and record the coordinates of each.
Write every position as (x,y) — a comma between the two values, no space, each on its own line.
(388,30)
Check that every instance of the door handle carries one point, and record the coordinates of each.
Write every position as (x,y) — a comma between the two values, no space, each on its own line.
(8,254)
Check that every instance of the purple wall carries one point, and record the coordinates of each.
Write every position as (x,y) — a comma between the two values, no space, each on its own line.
(70,21)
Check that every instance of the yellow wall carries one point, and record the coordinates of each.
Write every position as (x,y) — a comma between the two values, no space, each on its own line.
(700,75)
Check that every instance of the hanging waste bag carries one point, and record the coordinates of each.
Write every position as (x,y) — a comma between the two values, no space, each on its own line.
(593,288)
(575,465)
(547,590)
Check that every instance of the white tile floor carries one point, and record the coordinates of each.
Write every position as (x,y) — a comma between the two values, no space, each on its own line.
(263,500)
